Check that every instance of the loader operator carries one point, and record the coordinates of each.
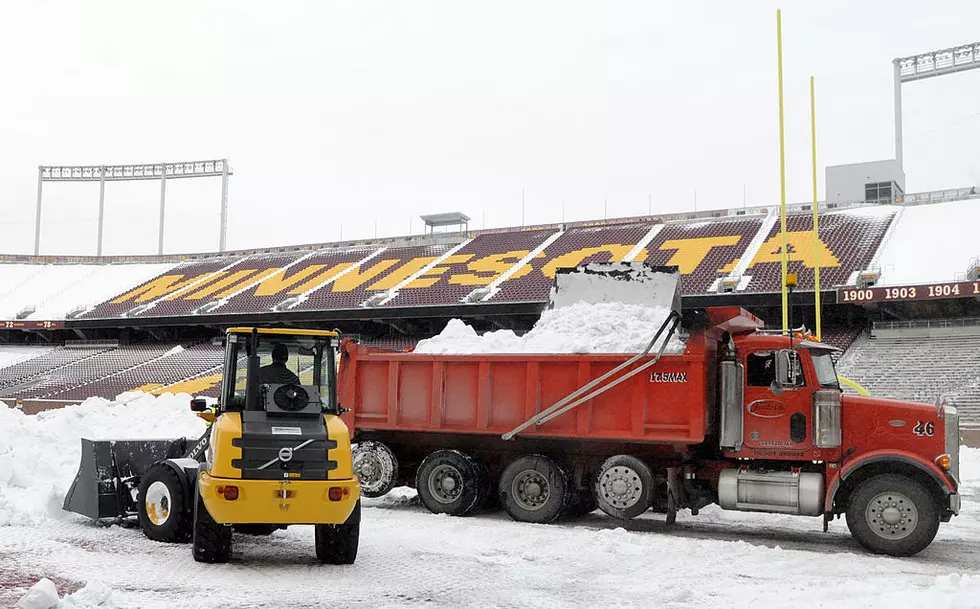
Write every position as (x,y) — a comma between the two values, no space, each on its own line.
(277,372)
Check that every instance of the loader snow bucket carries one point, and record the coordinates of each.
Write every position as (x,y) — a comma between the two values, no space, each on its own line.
(110,471)
(626,282)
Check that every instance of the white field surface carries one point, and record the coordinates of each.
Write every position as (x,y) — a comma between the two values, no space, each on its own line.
(409,557)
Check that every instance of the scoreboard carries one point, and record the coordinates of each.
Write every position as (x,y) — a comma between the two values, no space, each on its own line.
(932,291)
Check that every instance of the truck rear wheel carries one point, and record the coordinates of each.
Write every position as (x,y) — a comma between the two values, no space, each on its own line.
(376,468)
(212,541)
(336,544)
(162,506)
(449,482)
(624,487)
(533,488)
(892,514)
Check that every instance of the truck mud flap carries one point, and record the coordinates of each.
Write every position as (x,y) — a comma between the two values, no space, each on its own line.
(110,471)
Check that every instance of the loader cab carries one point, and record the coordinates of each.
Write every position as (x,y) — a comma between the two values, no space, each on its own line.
(280,371)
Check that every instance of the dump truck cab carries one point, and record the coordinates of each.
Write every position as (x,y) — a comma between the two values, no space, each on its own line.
(278,452)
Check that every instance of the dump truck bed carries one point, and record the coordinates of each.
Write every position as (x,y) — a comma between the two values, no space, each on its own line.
(493,394)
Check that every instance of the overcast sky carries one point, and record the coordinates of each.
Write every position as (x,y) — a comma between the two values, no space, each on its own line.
(366,114)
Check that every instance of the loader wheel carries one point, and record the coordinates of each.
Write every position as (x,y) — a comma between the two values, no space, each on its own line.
(162,507)
(533,488)
(336,544)
(892,514)
(449,482)
(376,468)
(624,487)
(212,541)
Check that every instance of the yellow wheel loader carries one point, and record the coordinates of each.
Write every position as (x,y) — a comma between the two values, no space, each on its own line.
(276,453)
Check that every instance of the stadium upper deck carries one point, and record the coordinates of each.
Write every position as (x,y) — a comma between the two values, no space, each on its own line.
(484,267)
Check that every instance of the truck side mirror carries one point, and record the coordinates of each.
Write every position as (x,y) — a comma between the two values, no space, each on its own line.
(199,405)
(787,367)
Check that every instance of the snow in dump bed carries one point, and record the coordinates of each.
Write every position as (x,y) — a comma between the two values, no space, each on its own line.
(605,327)
(39,454)
(630,283)
(931,244)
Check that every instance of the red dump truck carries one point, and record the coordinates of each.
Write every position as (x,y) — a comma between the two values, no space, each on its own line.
(750,420)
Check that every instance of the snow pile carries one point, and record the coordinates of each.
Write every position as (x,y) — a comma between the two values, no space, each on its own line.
(39,454)
(605,327)
(13,354)
(44,595)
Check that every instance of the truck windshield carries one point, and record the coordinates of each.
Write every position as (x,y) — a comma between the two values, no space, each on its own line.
(824,366)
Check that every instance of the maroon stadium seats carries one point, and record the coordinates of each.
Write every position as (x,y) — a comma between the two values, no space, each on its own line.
(851,240)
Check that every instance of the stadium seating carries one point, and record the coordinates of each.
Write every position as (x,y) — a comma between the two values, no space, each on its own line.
(481,261)
(306,275)
(25,373)
(851,240)
(380,273)
(178,278)
(916,368)
(703,251)
(151,376)
(223,284)
(68,381)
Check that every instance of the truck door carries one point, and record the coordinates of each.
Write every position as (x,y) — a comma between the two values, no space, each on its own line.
(777,403)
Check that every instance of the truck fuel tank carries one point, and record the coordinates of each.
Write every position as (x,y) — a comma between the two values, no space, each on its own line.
(783,492)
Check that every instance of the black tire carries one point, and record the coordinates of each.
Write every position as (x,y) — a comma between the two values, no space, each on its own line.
(336,544)
(167,518)
(533,488)
(212,541)
(449,482)
(376,467)
(892,514)
(624,487)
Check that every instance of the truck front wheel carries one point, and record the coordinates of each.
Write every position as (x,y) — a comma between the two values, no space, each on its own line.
(892,514)
(336,544)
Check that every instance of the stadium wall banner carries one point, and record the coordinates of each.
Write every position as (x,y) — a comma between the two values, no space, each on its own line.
(934,291)
(24,324)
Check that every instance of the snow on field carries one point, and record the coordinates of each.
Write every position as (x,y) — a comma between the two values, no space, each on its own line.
(931,243)
(605,327)
(409,557)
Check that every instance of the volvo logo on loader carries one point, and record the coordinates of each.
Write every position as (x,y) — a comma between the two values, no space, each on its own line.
(285,454)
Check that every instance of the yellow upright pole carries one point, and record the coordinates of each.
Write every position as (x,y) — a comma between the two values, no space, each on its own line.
(782,166)
(816,225)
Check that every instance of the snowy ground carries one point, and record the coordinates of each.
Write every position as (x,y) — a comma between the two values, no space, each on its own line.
(409,557)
